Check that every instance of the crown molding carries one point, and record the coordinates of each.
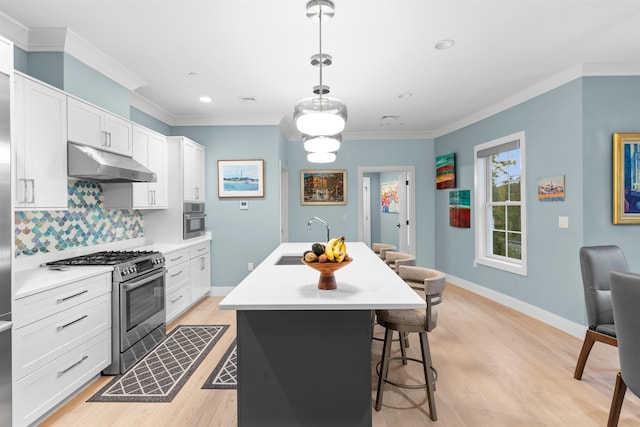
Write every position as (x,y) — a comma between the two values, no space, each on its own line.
(553,82)
(14,31)
(154,110)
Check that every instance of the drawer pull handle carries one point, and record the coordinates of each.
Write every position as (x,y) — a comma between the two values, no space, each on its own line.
(72,322)
(72,296)
(176,300)
(201,249)
(177,274)
(64,371)
(176,258)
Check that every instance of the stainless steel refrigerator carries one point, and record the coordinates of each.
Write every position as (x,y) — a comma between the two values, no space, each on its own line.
(5,253)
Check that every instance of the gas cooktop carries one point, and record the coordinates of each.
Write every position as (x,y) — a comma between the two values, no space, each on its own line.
(105,258)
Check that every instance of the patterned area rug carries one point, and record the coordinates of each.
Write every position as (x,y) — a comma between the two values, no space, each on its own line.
(224,375)
(161,374)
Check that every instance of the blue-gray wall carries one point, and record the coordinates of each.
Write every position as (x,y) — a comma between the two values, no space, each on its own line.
(568,131)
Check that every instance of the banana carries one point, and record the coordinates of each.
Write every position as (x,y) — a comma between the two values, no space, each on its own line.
(342,253)
(339,250)
(328,249)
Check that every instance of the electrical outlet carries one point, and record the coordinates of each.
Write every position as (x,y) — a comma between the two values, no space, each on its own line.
(250,266)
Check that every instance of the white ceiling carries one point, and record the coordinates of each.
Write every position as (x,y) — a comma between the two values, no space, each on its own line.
(505,51)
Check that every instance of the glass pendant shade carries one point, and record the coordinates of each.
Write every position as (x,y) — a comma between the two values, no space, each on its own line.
(321,144)
(321,157)
(318,116)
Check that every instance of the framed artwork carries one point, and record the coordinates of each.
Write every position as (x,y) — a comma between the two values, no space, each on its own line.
(460,208)
(446,171)
(551,188)
(626,178)
(389,196)
(323,187)
(240,178)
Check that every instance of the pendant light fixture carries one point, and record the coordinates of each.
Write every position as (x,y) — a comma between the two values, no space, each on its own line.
(321,119)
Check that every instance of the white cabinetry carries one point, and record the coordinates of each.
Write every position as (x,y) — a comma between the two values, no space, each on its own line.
(192,171)
(6,56)
(92,126)
(178,282)
(40,137)
(200,270)
(149,149)
(62,338)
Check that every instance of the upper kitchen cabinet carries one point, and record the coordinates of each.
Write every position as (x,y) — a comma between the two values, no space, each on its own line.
(95,127)
(149,149)
(192,170)
(40,140)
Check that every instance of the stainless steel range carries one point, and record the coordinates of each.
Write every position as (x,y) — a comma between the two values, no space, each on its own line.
(138,302)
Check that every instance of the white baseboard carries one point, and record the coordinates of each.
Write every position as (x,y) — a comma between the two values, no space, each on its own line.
(220,291)
(558,322)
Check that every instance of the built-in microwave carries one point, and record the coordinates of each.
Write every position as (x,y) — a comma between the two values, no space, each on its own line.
(194,219)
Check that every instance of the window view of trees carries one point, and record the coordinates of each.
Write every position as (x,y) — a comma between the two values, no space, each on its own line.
(505,205)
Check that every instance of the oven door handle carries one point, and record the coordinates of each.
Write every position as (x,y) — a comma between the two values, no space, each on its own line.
(144,280)
(195,215)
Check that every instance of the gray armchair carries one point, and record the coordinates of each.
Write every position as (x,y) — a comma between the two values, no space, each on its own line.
(596,263)
(625,296)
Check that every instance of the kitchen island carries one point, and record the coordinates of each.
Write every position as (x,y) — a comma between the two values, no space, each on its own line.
(304,354)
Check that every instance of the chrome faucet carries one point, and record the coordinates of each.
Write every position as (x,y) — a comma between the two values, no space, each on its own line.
(315,218)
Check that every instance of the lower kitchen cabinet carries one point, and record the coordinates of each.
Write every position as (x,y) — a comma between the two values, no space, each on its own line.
(62,339)
(188,277)
(200,271)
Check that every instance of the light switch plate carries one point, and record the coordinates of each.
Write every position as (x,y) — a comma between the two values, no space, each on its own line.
(563,222)
(244,205)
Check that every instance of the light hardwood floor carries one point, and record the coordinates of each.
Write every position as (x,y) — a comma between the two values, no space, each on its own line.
(496,367)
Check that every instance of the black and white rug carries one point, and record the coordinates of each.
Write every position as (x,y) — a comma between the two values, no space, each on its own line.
(224,375)
(161,374)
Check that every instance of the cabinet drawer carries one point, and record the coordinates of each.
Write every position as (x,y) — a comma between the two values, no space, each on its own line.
(40,342)
(200,248)
(38,306)
(178,301)
(178,275)
(40,391)
(176,257)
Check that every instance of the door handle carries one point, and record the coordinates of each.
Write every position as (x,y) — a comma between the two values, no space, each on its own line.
(398,225)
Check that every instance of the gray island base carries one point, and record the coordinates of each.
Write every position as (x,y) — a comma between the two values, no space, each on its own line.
(304,368)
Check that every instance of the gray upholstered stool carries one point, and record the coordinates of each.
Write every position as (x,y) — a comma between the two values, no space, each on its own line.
(381,248)
(407,321)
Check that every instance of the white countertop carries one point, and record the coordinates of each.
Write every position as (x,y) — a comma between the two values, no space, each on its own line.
(166,248)
(40,279)
(367,283)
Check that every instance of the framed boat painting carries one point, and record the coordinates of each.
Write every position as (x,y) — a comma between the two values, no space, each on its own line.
(626,178)
(240,178)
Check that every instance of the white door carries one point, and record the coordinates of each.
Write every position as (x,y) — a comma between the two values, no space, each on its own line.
(366,210)
(404,217)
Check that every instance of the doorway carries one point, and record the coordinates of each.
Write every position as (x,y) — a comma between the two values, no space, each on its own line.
(405,221)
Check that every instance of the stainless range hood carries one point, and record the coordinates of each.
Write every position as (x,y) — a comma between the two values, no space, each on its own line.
(91,164)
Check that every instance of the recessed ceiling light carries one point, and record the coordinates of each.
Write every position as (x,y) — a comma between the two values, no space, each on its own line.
(444,44)
(405,95)
(205,99)
(193,74)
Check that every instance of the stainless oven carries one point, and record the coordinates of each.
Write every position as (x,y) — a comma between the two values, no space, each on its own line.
(194,220)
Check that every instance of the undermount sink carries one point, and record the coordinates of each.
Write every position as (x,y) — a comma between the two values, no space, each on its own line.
(289,260)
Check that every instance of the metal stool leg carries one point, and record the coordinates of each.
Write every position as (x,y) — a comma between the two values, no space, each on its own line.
(386,351)
(428,375)
(402,337)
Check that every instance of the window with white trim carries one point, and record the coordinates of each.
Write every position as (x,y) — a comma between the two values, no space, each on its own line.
(500,199)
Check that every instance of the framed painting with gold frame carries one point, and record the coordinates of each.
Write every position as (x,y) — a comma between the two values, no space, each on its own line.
(626,178)
(323,187)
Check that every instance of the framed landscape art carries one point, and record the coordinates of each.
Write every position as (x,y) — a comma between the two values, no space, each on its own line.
(240,178)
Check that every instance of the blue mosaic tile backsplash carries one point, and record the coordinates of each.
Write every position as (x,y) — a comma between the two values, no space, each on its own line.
(84,223)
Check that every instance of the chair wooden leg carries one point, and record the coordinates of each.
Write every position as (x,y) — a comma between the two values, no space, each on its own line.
(428,375)
(402,337)
(384,369)
(584,354)
(616,402)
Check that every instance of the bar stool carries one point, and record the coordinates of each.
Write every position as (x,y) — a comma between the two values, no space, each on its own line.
(381,248)
(407,321)
(396,259)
